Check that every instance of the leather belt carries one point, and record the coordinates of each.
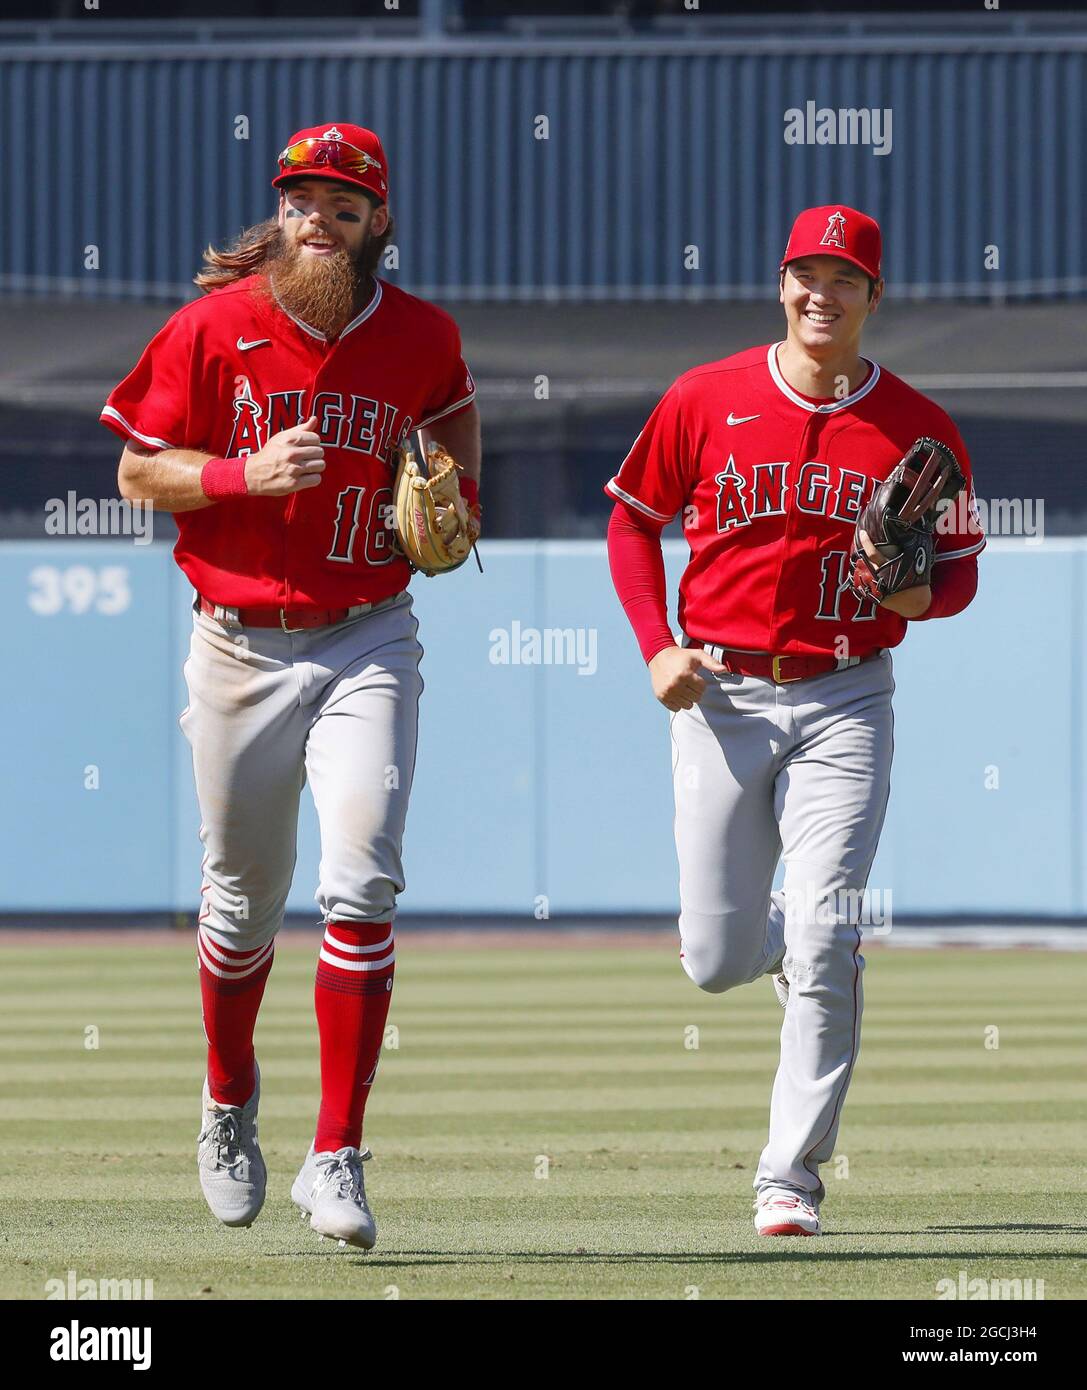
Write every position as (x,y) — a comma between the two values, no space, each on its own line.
(783,670)
(286,619)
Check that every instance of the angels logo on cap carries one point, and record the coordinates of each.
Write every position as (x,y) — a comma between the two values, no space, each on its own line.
(836,230)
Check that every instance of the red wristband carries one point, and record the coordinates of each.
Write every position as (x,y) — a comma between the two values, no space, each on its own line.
(223,478)
(469,490)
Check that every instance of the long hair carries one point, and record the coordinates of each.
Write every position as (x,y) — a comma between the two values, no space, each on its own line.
(251,251)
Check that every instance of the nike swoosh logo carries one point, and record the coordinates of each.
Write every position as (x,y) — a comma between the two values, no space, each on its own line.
(243,346)
(739,419)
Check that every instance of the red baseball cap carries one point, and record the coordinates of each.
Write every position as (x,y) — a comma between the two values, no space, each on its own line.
(347,153)
(836,230)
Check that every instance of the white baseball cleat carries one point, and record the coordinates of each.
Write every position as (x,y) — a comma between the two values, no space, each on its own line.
(330,1190)
(232,1171)
(781,988)
(781,1213)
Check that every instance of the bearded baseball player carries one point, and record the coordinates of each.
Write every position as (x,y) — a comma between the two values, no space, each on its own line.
(265,415)
(826,505)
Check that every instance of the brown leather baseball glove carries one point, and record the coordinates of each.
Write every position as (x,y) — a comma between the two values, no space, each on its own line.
(900,522)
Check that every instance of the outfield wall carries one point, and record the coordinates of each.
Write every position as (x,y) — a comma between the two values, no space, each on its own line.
(522,169)
(534,781)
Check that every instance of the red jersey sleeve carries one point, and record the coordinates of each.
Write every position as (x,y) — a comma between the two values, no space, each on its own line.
(454,390)
(959,531)
(152,404)
(654,478)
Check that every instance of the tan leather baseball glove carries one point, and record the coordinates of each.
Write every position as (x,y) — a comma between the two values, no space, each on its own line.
(435,528)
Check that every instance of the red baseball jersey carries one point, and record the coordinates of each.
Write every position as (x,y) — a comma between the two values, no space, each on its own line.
(770,485)
(230,370)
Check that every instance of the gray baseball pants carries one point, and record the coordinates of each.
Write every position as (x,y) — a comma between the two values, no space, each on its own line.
(799,772)
(270,709)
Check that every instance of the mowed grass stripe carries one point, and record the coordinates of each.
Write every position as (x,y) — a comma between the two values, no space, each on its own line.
(535,973)
(442,1090)
(743,1133)
(1061,1081)
(706,1167)
(662,1099)
(28,1011)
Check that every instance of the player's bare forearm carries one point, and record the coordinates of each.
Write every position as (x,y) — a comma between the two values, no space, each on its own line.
(173,480)
(953,589)
(460,436)
(167,478)
(910,603)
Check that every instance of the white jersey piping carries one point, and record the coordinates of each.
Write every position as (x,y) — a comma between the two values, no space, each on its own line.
(828,409)
(143,438)
(612,487)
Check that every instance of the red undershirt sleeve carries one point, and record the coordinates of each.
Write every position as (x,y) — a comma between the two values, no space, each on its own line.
(954,584)
(637,571)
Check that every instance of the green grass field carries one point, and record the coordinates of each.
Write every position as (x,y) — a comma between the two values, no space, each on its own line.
(516,1060)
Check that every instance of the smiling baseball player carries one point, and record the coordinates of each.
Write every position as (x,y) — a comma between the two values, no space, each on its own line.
(813,490)
(264,416)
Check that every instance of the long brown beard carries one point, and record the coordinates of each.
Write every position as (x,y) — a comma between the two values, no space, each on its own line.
(325,292)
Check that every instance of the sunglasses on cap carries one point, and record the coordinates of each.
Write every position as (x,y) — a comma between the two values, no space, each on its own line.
(312,153)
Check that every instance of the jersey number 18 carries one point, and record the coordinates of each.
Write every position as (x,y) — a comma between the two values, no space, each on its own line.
(377,545)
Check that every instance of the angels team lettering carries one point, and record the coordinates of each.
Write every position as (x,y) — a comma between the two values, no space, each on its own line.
(839,494)
(358,424)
